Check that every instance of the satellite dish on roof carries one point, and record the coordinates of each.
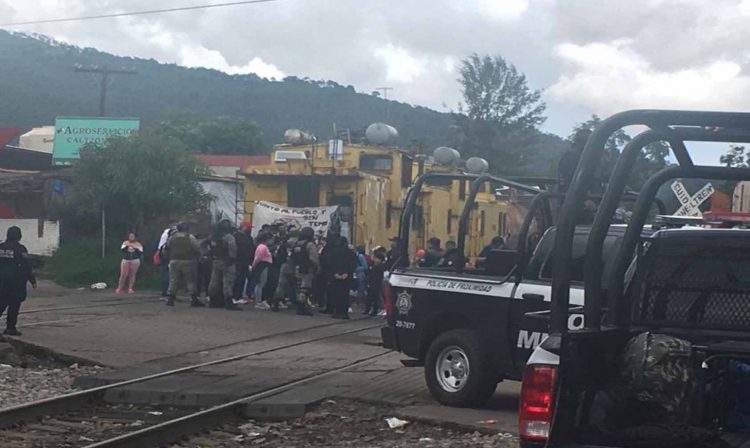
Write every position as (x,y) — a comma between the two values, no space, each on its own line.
(477,165)
(446,156)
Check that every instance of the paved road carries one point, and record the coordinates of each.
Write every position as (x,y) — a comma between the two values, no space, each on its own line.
(120,331)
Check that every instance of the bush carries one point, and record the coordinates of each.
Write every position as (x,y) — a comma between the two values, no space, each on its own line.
(78,263)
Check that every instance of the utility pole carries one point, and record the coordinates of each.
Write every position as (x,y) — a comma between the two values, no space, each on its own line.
(105,73)
(385,97)
(385,91)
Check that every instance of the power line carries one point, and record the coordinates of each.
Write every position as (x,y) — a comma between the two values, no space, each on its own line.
(136,13)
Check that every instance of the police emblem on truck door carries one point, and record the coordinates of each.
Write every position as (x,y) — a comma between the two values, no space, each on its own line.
(403,303)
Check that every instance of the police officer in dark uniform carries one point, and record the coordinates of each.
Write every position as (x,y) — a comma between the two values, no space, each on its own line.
(15,272)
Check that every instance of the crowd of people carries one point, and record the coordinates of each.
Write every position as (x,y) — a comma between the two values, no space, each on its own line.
(280,267)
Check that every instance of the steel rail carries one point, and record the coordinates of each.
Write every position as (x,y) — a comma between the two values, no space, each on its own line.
(172,430)
(110,302)
(55,405)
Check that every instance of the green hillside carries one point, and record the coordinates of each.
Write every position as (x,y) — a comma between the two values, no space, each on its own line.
(38,83)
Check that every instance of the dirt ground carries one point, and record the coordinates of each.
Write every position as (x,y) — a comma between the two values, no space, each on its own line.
(345,424)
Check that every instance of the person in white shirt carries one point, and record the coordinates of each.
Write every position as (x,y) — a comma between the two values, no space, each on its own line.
(163,260)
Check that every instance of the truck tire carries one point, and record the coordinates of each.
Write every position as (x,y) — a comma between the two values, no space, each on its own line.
(458,370)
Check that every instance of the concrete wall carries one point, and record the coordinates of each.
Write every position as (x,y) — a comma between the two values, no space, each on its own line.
(39,237)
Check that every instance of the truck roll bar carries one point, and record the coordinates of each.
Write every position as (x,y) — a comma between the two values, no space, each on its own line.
(523,246)
(620,314)
(615,187)
(413,194)
(588,163)
(408,212)
(463,223)
(593,262)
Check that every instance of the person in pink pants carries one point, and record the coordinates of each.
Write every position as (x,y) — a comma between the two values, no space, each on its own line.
(132,252)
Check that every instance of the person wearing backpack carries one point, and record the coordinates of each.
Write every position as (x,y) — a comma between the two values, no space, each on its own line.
(306,261)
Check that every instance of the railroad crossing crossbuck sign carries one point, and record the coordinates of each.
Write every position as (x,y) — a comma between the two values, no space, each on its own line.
(689,205)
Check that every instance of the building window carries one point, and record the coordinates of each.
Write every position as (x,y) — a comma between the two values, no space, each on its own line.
(501,223)
(375,162)
(448,227)
(461,190)
(481,223)
(406,170)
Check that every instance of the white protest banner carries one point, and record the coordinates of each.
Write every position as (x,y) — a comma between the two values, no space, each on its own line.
(319,218)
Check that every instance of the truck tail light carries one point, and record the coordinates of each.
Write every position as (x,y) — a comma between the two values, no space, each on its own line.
(388,299)
(536,402)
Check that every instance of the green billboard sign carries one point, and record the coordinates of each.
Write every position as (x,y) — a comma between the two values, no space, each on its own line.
(72,133)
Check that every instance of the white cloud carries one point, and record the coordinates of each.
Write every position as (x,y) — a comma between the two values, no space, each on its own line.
(609,77)
(203,57)
(592,56)
(504,9)
(401,66)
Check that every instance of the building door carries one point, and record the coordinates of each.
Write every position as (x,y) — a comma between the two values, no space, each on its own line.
(303,192)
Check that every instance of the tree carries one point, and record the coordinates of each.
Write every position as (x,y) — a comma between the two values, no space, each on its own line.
(652,159)
(496,92)
(736,157)
(137,179)
(221,135)
(500,114)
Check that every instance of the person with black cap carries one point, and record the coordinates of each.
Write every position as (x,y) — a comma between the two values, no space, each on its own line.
(15,272)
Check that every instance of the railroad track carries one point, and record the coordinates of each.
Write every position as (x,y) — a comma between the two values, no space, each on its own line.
(97,304)
(63,413)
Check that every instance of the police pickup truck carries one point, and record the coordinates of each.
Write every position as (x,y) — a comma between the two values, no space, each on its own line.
(663,359)
(469,328)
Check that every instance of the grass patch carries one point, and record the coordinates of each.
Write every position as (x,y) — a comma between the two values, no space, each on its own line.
(78,263)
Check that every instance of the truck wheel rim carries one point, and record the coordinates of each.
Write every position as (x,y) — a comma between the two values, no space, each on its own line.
(452,368)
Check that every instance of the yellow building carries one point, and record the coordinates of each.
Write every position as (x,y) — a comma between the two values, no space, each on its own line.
(369,184)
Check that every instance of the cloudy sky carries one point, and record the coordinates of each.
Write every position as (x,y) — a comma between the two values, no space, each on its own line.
(589,56)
